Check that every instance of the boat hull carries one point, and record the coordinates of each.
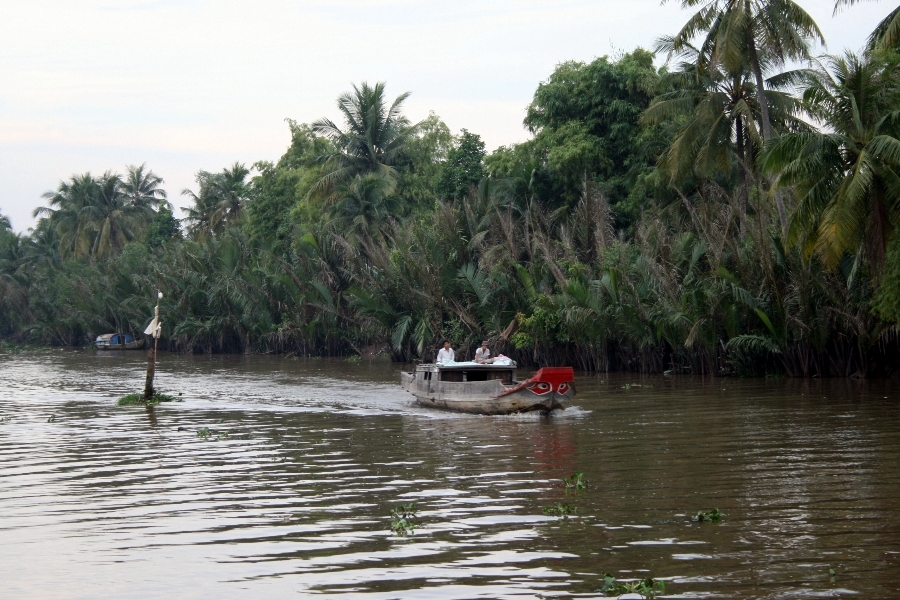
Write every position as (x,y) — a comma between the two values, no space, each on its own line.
(138,345)
(548,390)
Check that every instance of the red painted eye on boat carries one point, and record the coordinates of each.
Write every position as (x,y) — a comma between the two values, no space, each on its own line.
(540,387)
(563,388)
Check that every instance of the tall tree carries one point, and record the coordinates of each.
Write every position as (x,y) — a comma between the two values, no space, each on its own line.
(10,244)
(750,32)
(163,227)
(11,282)
(114,218)
(463,169)
(230,190)
(738,31)
(142,187)
(280,188)
(365,206)
(419,164)
(94,216)
(716,119)
(372,139)
(847,175)
(64,214)
(219,200)
(585,119)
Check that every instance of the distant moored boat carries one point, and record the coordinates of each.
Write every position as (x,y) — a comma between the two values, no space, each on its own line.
(118,341)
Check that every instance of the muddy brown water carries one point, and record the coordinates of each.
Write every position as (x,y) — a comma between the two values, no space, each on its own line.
(109,502)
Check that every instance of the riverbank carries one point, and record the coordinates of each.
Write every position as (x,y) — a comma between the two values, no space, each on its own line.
(380,354)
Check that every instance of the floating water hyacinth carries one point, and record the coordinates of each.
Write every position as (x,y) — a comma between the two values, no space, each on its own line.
(709,515)
(403,519)
(647,588)
(560,509)
(574,483)
(137,399)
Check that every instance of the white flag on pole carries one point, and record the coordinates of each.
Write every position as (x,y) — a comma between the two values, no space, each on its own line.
(154,328)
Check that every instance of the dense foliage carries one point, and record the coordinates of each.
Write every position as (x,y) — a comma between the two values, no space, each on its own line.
(719,215)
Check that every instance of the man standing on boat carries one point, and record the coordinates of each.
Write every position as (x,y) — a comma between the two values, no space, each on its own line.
(446,353)
(483,354)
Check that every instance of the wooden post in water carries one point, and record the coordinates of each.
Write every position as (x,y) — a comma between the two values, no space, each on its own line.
(154,329)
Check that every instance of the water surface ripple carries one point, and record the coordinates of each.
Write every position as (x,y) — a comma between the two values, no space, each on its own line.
(291,492)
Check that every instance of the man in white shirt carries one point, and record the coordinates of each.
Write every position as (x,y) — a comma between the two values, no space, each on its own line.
(483,354)
(446,354)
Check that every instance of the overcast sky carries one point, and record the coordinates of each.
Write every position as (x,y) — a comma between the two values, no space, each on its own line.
(184,85)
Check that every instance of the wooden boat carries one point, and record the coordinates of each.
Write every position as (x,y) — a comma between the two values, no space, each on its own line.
(118,341)
(489,389)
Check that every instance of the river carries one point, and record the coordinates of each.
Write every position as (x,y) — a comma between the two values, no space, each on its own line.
(287,489)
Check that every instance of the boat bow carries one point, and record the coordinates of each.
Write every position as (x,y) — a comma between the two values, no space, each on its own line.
(548,380)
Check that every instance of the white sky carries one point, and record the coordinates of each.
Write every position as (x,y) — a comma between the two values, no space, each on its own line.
(183,85)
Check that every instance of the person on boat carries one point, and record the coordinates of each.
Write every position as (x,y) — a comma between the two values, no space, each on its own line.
(483,354)
(446,353)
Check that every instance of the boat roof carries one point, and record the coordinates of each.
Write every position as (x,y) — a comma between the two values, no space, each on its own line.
(466,366)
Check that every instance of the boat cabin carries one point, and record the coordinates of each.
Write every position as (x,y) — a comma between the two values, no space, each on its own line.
(467,371)
(114,339)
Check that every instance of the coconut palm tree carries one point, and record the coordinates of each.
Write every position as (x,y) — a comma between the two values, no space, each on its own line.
(64,214)
(10,245)
(750,32)
(230,190)
(847,176)
(739,33)
(142,188)
(219,201)
(887,32)
(113,217)
(42,247)
(92,216)
(373,137)
(199,216)
(13,282)
(365,206)
(716,118)
(96,216)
